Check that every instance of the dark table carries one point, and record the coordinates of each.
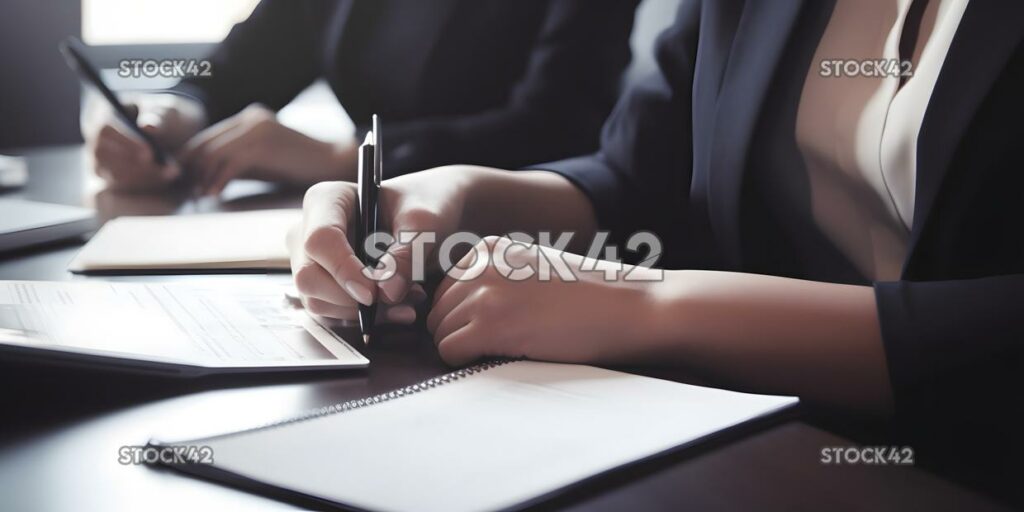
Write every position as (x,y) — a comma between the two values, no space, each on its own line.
(61,429)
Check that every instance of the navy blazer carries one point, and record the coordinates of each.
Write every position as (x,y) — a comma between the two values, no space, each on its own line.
(491,82)
(681,156)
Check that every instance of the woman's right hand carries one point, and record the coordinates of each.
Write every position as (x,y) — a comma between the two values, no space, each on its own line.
(330,277)
(123,159)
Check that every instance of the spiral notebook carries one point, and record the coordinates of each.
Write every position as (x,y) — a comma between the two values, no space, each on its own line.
(494,436)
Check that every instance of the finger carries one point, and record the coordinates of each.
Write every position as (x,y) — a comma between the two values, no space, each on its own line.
(414,220)
(416,295)
(314,282)
(208,157)
(155,133)
(108,152)
(328,310)
(227,156)
(447,322)
(403,314)
(452,297)
(195,153)
(232,167)
(458,273)
(120,163)
(199,142)
(463,346)
(112,134)
(326,211)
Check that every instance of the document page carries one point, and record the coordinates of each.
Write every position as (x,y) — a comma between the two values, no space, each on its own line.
(205,325)
(233,240)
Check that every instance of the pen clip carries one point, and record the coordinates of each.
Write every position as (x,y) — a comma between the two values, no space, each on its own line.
(378,151)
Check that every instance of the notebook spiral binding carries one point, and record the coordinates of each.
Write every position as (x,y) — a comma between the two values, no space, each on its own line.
(380,398)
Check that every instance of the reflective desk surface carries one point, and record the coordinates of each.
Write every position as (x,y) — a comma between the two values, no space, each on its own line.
(62,429)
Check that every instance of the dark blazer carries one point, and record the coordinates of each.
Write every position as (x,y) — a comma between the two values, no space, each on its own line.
(684,154)
(494,82)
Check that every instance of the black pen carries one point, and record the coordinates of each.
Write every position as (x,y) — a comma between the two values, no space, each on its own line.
(72,50)
(369,188)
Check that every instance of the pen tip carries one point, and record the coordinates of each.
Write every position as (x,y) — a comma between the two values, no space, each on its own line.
(366,339)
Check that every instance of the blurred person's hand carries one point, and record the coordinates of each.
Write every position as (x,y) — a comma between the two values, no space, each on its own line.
(253,144)
(123,159)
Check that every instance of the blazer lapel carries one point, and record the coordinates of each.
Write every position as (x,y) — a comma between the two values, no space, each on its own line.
(763,31)
(988,34)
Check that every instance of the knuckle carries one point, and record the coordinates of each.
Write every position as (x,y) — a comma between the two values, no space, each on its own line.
(307,278)
(326,190)
(416,218)
(493,243)
(488,301)
(258,113)
(319,307)
(321,238)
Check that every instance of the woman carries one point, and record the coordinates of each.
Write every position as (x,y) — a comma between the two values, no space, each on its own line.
(483,81)
(853,239)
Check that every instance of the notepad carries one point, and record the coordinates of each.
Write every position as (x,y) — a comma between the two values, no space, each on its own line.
(490,437)
(252,240)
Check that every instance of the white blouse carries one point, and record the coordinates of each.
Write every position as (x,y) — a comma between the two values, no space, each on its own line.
(857,134)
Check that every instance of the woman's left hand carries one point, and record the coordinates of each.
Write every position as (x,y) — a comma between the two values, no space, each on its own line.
(253,144)
(503,305)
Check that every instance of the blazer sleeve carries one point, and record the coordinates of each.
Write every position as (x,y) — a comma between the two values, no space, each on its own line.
(639,179)
(555,110)
(955,346)
(269,58)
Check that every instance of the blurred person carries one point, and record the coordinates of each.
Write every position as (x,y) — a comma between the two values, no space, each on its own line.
(490,82)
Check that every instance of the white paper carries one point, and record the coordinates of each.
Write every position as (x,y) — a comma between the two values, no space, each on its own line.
(220,327)
(490,441)
(233,240)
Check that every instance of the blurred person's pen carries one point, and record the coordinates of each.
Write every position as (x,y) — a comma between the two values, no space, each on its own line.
(72,50)
(369,189)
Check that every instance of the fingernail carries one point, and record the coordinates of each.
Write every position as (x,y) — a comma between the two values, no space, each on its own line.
(401,314)
(359,292)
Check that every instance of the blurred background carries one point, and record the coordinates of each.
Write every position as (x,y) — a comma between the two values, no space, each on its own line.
(40,97)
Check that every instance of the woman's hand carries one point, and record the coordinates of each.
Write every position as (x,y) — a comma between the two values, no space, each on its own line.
(498,302)
(820,341)
(253,144)
(125,161)
(330,278)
